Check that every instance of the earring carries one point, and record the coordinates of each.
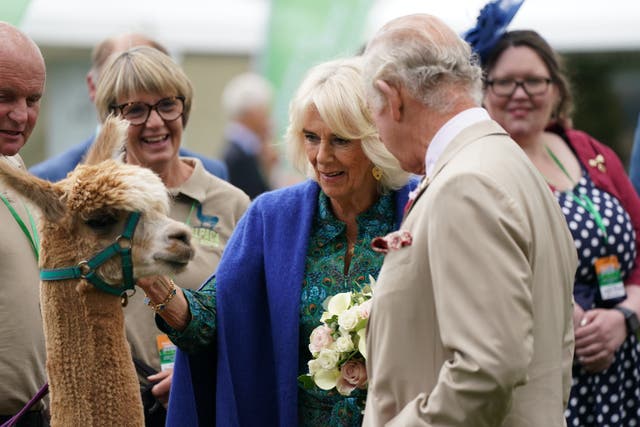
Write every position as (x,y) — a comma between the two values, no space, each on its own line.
(377,173)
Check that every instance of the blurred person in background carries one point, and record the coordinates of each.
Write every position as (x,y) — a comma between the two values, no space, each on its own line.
(249,155)
(528,93)
(22,347)
(147,88)
(57,167)
(293,248)
(634,162)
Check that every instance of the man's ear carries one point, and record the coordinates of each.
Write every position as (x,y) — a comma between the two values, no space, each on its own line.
(392,97)
(91,86)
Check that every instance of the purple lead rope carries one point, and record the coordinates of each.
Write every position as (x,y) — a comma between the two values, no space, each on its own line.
(39,395)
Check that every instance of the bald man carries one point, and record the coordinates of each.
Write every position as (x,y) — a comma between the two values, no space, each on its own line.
(471,322)
(57,167)
(22,347)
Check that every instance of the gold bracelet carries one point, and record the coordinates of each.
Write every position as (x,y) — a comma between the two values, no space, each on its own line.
(161,306)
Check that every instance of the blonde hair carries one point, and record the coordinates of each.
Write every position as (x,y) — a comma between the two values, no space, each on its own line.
(141,70)
(336,90)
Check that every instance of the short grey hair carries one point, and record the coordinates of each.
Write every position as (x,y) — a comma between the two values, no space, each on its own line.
(428,59)
(244,92)
(336,90)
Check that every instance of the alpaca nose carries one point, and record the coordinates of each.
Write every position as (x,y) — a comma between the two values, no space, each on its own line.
(182,235)
(179,237)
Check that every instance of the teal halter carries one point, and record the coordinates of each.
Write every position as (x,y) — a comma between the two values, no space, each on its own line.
(87,269)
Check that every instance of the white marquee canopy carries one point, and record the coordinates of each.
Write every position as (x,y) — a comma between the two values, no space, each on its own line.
(239,26)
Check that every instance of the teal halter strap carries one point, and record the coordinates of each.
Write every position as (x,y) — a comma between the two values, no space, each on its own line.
(87,269)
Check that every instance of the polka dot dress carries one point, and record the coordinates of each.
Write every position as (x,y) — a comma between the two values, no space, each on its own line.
(609,398)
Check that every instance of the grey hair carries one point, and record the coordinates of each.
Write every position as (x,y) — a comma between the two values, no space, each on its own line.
(244,92)
(431,63)
(336,90)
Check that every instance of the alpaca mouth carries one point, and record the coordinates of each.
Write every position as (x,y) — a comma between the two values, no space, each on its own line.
(177,261)
(177,265)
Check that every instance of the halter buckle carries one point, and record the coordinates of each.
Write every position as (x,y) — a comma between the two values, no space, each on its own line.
(84,268)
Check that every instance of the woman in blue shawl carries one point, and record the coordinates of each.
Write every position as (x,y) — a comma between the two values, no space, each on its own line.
(292,249)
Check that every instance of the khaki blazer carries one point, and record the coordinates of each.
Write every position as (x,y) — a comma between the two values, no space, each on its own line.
(471,324)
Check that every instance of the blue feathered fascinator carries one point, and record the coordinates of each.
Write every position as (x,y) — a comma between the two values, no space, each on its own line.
(492,22)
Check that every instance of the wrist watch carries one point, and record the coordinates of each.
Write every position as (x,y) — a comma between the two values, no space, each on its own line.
(630,319)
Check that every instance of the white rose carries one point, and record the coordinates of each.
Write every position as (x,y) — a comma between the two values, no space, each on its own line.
(327,359)
(348,320)
(314,366)
(344,344)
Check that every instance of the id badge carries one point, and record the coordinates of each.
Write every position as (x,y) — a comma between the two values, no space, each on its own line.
(609,277)
(166,351)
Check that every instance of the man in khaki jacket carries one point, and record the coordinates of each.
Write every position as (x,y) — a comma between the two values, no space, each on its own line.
(472,319)
(22,346)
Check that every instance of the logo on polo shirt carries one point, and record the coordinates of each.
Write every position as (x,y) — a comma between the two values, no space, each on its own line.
(205,232)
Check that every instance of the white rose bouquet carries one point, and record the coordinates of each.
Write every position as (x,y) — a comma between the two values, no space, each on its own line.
(338,345)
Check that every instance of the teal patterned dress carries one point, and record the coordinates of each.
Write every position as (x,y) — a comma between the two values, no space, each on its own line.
(324,277)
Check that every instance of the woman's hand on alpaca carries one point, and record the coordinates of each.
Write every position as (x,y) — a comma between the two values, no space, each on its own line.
(161,389)
(599,335)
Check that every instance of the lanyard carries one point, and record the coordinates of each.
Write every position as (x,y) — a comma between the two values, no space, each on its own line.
(193,206)
(33,239)
(581,199)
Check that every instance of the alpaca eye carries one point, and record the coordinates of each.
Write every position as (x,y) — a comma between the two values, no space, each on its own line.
(101,222)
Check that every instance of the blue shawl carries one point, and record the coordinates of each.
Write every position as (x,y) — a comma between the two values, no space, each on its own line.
(258,283)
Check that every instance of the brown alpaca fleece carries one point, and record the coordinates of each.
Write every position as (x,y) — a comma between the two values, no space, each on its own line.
(91,374)
(92,378)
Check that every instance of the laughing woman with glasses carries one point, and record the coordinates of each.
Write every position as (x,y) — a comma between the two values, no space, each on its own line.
(528,94)
(149,90)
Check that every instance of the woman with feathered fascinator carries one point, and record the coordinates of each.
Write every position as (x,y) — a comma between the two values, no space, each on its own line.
(527,93)
(492,22)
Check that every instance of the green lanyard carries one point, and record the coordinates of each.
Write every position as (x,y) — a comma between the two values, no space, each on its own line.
(193,206)
(581,199)
(33,239)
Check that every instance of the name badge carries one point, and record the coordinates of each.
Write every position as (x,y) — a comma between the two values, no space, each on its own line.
(166,351)
(609,277)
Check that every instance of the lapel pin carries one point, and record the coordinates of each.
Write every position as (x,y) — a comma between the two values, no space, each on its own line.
(598,162)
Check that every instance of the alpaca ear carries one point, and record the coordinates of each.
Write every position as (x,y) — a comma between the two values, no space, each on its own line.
(43,194)
(110,141)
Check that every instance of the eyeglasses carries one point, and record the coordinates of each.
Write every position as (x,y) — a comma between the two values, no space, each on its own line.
(531,85)
(137,113)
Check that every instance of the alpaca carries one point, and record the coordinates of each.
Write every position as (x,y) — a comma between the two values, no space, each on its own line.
(92,378)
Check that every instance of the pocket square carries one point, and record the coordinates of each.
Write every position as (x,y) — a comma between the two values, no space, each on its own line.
(392,241)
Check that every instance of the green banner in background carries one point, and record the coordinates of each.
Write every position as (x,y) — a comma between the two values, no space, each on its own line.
(303,33)
(12,11)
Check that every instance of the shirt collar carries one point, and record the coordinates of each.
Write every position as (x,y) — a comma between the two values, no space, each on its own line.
(244,137)
(333,227)
(192,187)
(449,131)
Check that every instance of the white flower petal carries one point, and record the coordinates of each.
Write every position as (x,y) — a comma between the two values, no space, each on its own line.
(362,342)
(327,380)
(339,303)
